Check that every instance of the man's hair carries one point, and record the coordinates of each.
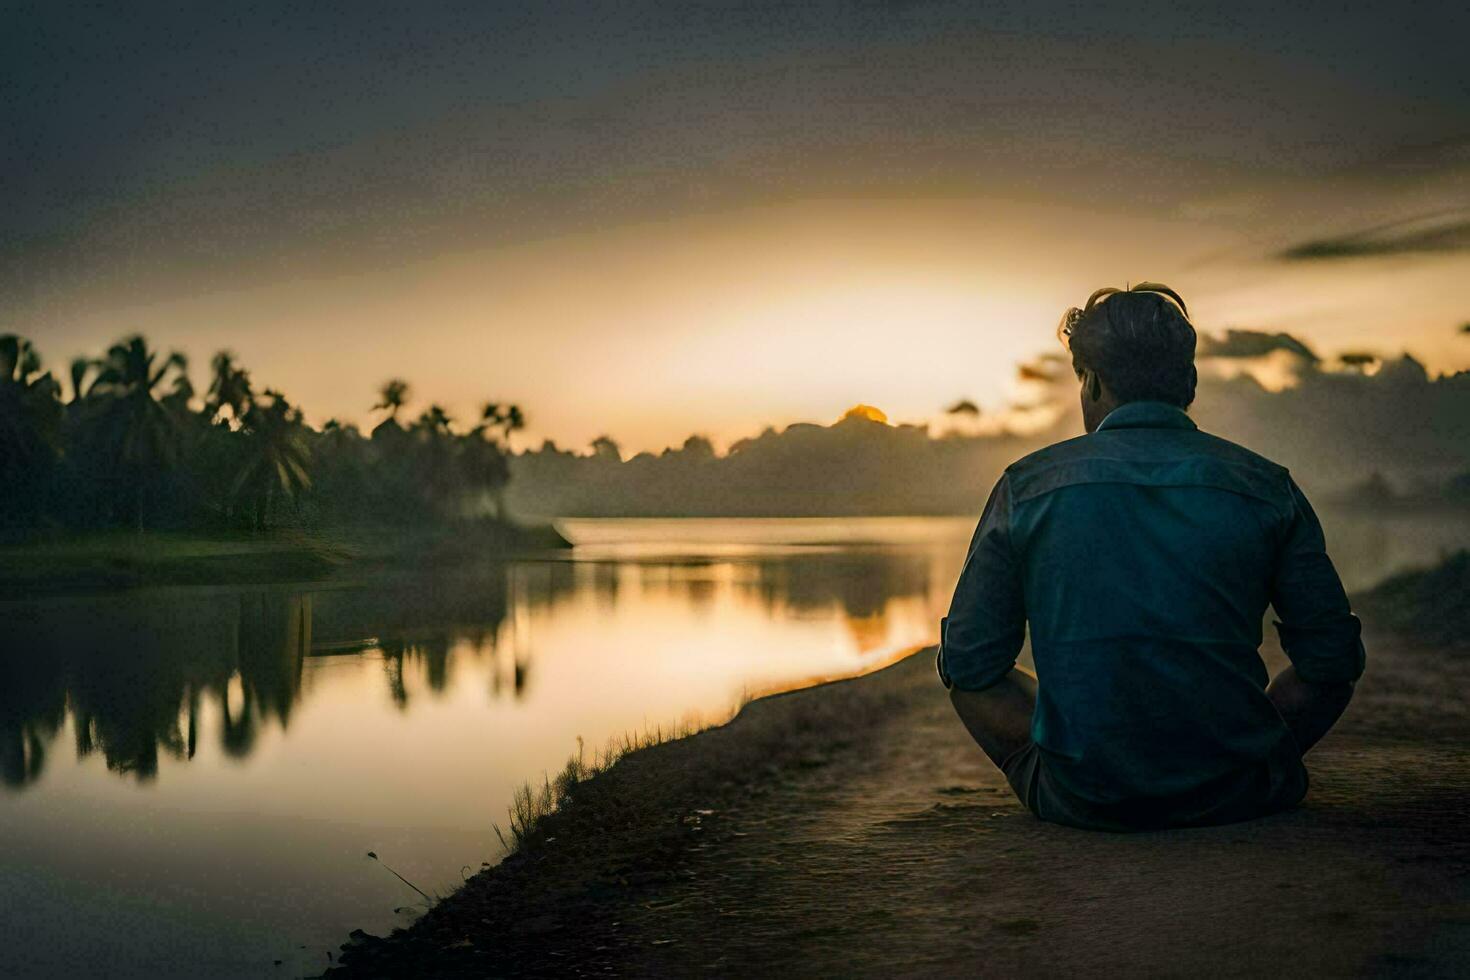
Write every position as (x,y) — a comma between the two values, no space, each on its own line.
(1139,341)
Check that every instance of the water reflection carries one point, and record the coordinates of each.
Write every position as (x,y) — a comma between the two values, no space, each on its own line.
(138,674)
(133,675)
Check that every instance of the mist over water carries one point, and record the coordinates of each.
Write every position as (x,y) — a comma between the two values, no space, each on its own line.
(193,777)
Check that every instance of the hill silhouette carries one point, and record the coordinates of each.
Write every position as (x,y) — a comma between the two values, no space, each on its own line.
(1334,423)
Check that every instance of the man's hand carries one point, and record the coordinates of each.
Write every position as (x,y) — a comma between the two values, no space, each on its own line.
(1310,709)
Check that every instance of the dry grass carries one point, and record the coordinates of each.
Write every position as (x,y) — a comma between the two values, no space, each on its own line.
(531,804)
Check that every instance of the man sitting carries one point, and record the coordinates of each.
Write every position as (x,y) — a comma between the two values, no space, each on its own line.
(1143,556)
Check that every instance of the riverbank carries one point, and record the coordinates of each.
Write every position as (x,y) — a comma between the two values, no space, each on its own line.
(115,560)
(854,828)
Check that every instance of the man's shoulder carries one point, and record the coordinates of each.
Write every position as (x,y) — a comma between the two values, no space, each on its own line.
(1079,447)
(1182,455)
(1234,452)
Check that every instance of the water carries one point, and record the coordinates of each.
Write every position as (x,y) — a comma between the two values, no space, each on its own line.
(193,777)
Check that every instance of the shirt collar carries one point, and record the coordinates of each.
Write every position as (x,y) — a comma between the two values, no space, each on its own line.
(1147,415)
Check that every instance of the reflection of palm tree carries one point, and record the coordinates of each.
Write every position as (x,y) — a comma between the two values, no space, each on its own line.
(435,651)
(129,713)
(32,709)
(192,738)
(237,732)
(274,637)
(393,653)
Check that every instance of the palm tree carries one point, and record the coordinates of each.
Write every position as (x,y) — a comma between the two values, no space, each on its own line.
(507,418)
(437,452)
(229,387)
(142,430)
(604,447)
(30,423)
(182,392)
(395,393)
(484,464)
(434,421)
(278,455)
(79,368)
(513,421)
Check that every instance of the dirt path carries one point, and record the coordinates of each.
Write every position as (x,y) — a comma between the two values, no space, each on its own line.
(916,859)
(905,854)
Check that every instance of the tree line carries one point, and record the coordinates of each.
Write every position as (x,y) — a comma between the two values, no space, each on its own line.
(131,443)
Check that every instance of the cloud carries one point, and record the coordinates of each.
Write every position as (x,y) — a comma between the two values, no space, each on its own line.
(1253,343)
(1043,370)
(1444,231)
(963,407)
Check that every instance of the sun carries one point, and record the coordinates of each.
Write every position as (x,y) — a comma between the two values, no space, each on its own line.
(861,411)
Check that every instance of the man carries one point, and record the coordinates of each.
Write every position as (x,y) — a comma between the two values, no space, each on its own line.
(1143,556)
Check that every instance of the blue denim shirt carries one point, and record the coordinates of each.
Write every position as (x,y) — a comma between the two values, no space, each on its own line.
(1143,557)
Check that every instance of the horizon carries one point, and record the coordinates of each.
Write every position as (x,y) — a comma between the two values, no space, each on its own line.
(1039,389)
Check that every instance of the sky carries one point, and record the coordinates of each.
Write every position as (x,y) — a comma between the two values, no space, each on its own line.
(652,219)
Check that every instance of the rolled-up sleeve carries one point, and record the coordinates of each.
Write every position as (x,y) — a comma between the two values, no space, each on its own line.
(1319,633)
(982,635)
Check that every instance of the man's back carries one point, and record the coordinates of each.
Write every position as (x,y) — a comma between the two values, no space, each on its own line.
(1144,556)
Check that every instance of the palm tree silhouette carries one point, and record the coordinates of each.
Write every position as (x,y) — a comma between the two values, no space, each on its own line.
(30,422)
(395,394)
(513,422)
(134,444)
(229,387)
(79,368)
(142,429)
(278,455)
(483,461)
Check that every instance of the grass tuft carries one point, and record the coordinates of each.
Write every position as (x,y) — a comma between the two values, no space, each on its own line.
(530,805)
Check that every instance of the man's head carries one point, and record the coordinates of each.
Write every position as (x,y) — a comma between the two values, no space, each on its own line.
(1128,346)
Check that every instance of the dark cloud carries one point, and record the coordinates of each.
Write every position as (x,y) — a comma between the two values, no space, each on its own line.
(219,144)
(1043,371)
(1332,427)
(1431,234)
(1252,343)
(963,407)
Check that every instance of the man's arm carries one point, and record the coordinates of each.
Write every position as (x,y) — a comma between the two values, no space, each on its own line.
(1310,710)
(982,635)
(1319,633)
